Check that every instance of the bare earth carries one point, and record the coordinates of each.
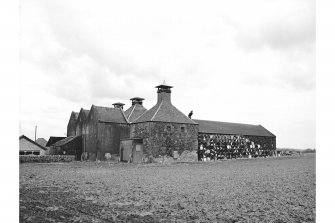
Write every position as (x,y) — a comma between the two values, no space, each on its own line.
(257,190)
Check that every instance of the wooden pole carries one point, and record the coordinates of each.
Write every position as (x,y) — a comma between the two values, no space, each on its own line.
(35,132)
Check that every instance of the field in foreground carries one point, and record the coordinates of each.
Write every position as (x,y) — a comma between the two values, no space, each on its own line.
(257,190)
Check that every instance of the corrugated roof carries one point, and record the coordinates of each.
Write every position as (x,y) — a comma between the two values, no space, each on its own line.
(65,141)
(53,139)
(134,112)
(206,126)
(164,112)
(106,114)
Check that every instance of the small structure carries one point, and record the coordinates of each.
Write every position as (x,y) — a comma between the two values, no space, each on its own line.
(53,139)
(71,145)
(131,150)
(29,147)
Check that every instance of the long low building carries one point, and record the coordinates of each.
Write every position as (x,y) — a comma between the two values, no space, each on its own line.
(220,140)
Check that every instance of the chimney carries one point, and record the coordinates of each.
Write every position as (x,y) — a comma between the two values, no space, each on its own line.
(118,105)
(164,93)
(136,100)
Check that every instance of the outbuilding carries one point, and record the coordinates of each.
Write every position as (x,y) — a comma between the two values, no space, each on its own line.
(71,145)
(224,140)
(29,147)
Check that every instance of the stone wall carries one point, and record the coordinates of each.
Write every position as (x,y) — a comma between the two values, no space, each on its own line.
(162,138)
(219,146)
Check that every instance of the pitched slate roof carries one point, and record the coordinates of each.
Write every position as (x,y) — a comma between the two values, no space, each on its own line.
(54,139)
(32,142)
(164,112)
(41,141)
(134,112)
(206,126)
(105,114)
(65,141)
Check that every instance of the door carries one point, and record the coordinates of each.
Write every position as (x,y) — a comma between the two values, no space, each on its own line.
(138,153)
(125,149)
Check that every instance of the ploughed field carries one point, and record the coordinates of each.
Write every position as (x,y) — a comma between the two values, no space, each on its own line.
(277,190)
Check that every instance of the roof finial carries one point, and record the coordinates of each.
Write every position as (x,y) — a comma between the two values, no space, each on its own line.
(164,82)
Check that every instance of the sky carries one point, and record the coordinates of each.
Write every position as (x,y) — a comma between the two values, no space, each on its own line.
(236,61)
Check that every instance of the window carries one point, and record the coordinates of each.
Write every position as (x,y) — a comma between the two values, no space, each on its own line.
(138,148)
(168,128)
(182,129)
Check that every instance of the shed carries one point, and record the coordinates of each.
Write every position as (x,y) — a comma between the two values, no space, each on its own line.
(29,147)
(131,150)
(53,139)
(231,140)
(71,145)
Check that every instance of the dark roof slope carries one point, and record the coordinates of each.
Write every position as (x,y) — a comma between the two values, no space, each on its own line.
(134,112)
(65,141)
(164,112)
(35,143)
(41,141)
(206,126)
(106,114)
(53,139)
(84,113)
(74,115)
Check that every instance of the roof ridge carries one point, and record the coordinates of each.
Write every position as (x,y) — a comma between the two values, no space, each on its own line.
(156,111)
(183,114)
(132,111)
(124,116)
(227,122)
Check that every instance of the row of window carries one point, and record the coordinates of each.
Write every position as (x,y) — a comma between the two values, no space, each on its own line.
(169,128)
(29,153)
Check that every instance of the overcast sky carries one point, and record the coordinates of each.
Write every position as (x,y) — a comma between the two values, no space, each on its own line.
(235,61)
